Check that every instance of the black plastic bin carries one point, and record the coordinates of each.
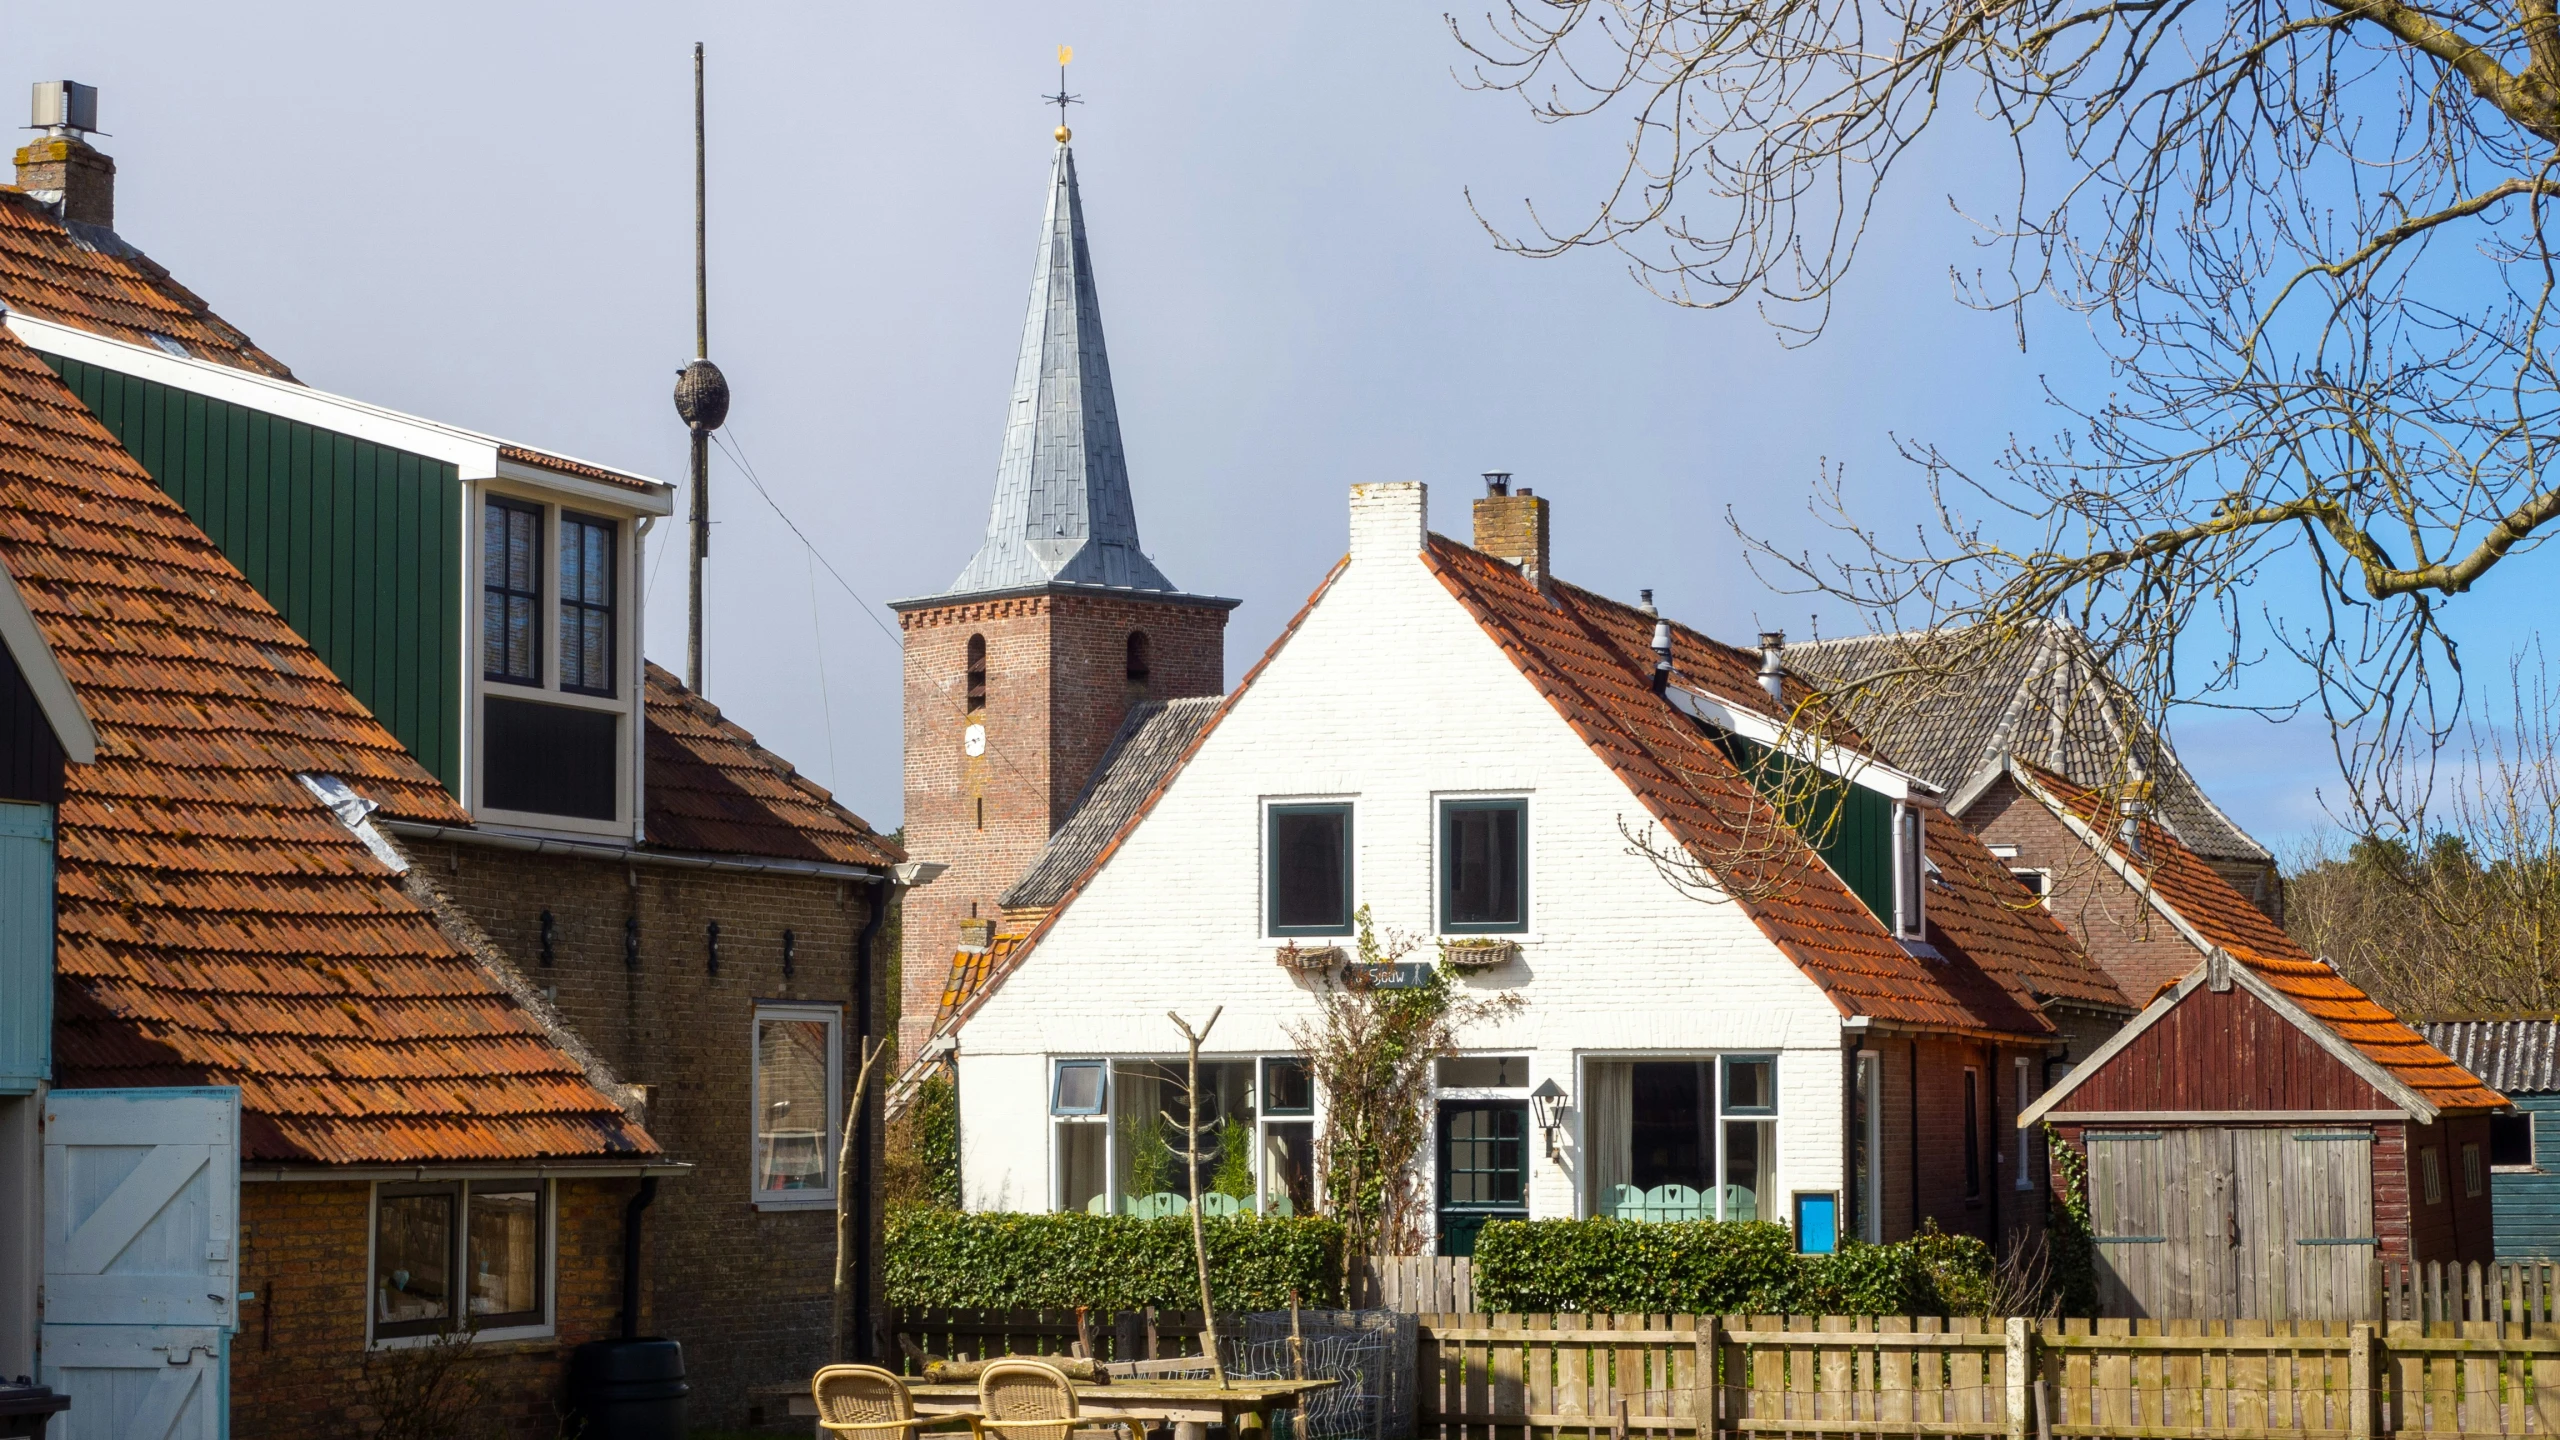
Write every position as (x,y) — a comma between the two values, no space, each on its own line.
(629,1389)
(25,1408)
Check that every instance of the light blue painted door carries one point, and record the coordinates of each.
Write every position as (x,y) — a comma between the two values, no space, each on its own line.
(141,1237)
(26,947)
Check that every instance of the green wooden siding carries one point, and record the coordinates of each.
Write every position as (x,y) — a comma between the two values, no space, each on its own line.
(2526,1204)
(1850,826)
(358,545)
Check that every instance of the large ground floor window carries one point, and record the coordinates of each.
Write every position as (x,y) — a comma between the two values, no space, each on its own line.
(1118,1128)
(460,1254)
(1687,1139)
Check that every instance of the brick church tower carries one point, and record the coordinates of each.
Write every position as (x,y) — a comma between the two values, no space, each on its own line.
(1019,674)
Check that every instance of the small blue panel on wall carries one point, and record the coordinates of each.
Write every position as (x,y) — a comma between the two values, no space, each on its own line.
(26,947)
(1817,1224)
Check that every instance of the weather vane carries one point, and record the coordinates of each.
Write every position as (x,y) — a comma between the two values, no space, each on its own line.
(1066,54)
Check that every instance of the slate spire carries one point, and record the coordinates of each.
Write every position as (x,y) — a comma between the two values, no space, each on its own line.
(1062,513)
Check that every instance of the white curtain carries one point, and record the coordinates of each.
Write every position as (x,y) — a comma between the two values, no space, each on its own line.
(1608,1130)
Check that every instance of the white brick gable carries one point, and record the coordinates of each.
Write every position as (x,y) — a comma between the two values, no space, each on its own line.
(1391,695)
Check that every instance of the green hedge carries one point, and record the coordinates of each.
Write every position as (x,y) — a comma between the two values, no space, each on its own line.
(944,1259)
(1745,1267)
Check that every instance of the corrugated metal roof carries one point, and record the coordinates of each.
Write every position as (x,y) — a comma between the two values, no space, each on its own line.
(1062,512)
(2514,1057)
(1150,741)
(2225,919)
(215,923)
(2045,700)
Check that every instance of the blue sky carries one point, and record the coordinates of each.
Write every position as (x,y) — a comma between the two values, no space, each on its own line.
(481,213)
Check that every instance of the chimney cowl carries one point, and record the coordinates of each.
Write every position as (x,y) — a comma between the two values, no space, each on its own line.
(2131,810)
(1661,653)
(1773,671)
(1497,482)
(1513,527)
(1644,602)
(59,168)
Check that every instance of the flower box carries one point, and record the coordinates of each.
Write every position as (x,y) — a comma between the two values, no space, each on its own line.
(1479,953)
(1308,960)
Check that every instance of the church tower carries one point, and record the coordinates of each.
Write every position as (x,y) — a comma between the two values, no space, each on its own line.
(1018,675)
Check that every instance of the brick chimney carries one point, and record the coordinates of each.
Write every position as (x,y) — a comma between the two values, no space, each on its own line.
(1513,527)
(60,167)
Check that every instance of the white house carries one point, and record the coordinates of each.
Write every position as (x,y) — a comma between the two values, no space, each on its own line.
(1722,1018)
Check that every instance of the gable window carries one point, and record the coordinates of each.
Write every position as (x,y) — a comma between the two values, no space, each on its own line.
(586,604)
(977,675)
(1138,669)
(1308,855)
(511,592)
(799,1078)
(1692,1139)
(2511,1141)
(1483,850)
(2039,883)
(2430,1176)
(477,1253)
(1910,857)
(2470,1172)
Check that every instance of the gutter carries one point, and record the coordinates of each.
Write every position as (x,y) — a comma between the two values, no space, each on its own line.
(624,854)
(466,1170)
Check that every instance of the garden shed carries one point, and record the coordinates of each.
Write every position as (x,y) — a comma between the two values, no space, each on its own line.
(2264,1133)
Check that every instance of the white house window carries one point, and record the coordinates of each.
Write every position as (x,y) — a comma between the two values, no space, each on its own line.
(2039,883)
(586,604)
(511,592)
(1691,1139)
(1910,857)
(1309,858)
(1867,1128)
(1119,1144)
(799,1080)
(1483,866)
(480,1247)
(2026,1179)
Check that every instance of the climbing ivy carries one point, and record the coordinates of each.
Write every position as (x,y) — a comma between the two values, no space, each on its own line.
(2068,1229)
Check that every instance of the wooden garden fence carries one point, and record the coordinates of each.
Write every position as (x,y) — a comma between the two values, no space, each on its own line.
(1639,1377)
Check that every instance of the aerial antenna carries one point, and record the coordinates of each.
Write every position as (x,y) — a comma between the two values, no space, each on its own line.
(1066,54)
(702,397)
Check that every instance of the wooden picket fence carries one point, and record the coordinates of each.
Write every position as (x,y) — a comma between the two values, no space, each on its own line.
(2510,1290)
(1104,1335)
(1579,1377)
(1415,1284)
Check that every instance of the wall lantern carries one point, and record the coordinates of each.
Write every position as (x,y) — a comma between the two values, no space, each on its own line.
(1549,1099)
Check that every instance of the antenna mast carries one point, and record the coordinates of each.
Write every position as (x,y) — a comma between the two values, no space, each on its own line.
(702,398)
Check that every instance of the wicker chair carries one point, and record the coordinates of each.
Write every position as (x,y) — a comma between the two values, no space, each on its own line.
(1022,1399)
(866,1401)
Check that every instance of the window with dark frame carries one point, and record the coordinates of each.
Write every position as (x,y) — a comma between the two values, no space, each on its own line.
(977,676)
(586,604)
(1138,668)
(1910,855)
(477,1247)
(511,592)
(1972,1134)
(1309,858)
(2472,1180)
(2511,1141)
(1482,866)
(2430,1176)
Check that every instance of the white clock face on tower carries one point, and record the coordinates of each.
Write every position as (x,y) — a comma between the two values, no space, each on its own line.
(974,740)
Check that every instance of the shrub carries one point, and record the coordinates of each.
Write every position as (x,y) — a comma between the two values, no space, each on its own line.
(949,1260)
(1704,1267)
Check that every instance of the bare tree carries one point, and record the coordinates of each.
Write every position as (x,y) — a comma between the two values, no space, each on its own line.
(842,1308)
(1193,1159)
(2310,235)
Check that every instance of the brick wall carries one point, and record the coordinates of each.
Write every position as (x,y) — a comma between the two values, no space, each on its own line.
(298,1365)
(1933,1169)
(746,1290)
(1057,690)
(2112,921)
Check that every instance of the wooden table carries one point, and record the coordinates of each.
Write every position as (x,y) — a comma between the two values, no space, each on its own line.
(1190,1406)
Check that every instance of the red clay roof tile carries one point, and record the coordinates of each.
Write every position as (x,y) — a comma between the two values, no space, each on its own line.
(85,277)
(713,789)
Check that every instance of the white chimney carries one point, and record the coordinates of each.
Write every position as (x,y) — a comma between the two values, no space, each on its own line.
(1387,520)
(1773,673)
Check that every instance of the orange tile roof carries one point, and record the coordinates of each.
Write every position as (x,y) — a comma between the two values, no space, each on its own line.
(544,460)
(1581,653)
(2225,919)
(713,789)
(1984,912)
(970,971)
(88,278)
(216,924)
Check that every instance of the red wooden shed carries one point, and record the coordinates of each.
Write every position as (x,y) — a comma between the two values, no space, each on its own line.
(2264,1133)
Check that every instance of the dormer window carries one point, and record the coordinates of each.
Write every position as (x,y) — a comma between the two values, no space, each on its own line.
(1910,861)
(586,604)
(511,592)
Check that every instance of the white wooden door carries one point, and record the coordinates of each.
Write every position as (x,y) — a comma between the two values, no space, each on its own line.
(141,1235)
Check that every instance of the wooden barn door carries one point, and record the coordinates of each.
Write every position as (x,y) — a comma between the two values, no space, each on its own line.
(2160,1211)
(2328,1212)
(2229,1223)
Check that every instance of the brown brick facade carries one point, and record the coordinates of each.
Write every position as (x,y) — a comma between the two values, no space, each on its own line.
(298,1363)
(1921,1139)
(746,1290)
(2117,926)
(1056,689)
